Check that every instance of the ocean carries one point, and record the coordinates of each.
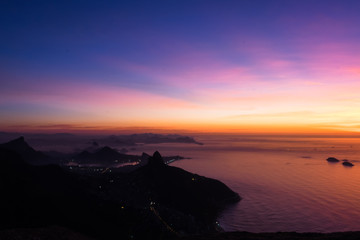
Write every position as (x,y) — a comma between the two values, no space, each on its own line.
(285,182)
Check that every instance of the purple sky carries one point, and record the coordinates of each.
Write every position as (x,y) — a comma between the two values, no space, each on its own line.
(191,65)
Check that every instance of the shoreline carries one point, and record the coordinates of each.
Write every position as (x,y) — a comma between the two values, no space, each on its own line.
(60,233)
(350,235)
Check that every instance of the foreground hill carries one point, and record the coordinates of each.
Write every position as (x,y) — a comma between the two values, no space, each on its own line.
(155,201)
(182,190)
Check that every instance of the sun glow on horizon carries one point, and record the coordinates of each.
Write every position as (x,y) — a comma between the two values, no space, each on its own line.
(293,67)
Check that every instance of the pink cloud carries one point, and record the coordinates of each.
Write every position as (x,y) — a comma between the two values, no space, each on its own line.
(93,95)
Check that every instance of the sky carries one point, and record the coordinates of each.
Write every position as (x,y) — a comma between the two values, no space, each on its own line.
(180,65)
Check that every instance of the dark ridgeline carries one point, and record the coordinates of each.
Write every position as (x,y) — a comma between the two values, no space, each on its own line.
(156,201)
(106,154)
(151,138)
(26,152)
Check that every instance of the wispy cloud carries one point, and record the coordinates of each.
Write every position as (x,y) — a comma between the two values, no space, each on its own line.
(276,115)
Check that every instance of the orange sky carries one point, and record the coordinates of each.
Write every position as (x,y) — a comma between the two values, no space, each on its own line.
(231,67)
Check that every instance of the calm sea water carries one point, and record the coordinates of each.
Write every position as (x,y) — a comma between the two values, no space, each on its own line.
(285,182)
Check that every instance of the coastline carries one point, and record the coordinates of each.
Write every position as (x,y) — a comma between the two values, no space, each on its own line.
(61,233)
(276,236)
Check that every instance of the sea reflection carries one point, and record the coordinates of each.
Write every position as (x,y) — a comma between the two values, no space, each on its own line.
(286,182)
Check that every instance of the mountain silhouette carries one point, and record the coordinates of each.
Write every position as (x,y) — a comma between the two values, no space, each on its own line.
(104,155)
(30,155)
(178,189)
(156,160)
(42,196)
(152,202)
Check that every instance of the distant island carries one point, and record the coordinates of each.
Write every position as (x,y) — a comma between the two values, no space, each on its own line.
(73,142)
(345,162)
(149,138)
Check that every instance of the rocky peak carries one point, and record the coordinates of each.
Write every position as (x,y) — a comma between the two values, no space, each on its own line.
(156,160)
